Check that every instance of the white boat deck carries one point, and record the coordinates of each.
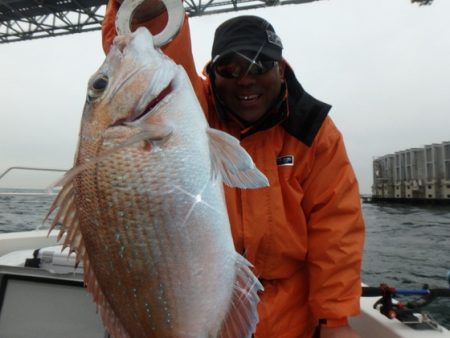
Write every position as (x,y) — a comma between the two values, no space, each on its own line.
(59,291)
(371,324)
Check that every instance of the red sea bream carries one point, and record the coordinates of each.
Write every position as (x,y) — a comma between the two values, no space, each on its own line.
(143,207)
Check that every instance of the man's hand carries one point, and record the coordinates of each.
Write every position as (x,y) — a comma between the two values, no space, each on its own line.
(338,332)
(147,10)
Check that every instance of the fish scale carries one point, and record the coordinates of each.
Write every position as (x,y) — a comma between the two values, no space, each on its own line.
(149,217)
(159,236)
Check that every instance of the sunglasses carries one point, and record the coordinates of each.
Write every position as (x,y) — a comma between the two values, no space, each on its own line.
(233,68)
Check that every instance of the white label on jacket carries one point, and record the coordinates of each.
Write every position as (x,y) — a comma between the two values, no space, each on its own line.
(285,160)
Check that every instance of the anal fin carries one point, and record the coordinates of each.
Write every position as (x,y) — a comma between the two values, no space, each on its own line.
(242,316)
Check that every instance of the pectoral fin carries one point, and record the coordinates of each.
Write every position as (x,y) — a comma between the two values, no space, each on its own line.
(232,163)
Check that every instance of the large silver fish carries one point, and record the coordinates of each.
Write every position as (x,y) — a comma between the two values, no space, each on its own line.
(143,207)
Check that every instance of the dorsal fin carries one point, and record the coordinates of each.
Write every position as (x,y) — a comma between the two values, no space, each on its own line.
(67,216)
(109,319)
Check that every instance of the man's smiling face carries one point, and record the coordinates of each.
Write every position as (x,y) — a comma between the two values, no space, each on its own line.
(249,89)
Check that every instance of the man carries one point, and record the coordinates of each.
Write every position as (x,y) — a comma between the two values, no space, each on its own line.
(303,234)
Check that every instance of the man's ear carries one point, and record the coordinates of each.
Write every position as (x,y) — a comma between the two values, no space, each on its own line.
(281,68)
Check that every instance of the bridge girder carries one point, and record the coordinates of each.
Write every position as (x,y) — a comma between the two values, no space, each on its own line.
(33,19)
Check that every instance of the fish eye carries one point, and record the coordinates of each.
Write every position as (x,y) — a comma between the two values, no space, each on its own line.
(97,87)
(100,83)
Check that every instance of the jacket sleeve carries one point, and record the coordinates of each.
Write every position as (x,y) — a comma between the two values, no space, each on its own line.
(179,49)
(335,228)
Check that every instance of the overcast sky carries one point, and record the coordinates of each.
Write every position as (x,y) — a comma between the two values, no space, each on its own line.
(383,65)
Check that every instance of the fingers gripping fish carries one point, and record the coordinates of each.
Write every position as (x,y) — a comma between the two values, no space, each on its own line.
(143,207)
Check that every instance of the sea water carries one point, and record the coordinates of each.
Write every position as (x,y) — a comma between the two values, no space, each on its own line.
(408,247)
(405,247)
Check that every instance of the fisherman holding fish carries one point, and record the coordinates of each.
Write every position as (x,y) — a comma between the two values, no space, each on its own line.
(303,234)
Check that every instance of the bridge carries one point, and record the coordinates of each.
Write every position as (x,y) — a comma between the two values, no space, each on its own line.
(33,19)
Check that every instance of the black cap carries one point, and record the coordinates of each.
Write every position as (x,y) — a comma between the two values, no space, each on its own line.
(246,33)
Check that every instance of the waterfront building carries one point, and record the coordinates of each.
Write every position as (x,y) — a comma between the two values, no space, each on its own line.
(446,170)
(416,173)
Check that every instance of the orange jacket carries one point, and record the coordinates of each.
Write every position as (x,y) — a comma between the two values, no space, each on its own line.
(304,234)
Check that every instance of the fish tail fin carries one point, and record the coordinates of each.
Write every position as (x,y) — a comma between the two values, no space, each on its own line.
(242,316)
(232,163)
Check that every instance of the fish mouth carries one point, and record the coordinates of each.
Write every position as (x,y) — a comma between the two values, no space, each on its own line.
(142,114)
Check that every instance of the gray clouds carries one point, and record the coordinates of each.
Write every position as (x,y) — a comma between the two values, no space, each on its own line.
(382,64)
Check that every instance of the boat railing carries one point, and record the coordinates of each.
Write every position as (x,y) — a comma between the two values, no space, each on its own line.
(29,193)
